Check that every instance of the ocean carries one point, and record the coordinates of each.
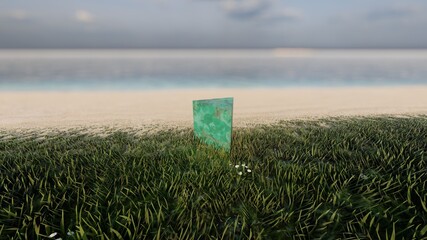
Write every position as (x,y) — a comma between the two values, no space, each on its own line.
(175,69)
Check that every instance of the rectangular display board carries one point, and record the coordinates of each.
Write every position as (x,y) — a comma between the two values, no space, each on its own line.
(213,121)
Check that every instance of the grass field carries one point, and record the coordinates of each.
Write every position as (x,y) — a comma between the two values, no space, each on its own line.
(348,178)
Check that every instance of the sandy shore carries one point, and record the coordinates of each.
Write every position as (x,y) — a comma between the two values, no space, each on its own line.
(136,109)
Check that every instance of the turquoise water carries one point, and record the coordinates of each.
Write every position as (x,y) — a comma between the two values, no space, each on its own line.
(171,69)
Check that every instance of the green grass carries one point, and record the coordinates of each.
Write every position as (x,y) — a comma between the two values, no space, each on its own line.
(335,178)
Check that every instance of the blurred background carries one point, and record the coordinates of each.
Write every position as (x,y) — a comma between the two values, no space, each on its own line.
(164,44)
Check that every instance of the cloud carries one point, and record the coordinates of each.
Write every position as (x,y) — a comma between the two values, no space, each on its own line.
(285,14)
(84,16)
(15,15)
(392,12)
(263,10)
(243,9)
(19,15)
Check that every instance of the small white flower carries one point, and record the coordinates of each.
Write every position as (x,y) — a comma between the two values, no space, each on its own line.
(243,164)
(70,233)
(237,166)
(240,173)
(249,170)
(246,167)
(53,235)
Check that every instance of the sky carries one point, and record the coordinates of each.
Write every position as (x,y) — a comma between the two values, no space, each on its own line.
(213,24)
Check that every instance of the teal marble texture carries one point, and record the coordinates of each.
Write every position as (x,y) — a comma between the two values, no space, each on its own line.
(213,121)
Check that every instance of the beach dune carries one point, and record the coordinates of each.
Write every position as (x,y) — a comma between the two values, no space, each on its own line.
(62,109)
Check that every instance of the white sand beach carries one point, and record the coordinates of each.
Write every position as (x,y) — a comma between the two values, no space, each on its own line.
(136,109)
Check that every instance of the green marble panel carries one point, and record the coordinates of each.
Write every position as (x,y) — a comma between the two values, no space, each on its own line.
(213,121)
